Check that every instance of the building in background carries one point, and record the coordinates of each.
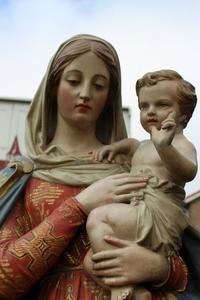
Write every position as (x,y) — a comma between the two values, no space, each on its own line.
(12,124)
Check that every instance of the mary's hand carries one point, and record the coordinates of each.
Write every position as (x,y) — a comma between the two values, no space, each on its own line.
(112,189)
(129,263)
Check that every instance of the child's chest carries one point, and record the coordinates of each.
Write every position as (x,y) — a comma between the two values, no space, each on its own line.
(146,154)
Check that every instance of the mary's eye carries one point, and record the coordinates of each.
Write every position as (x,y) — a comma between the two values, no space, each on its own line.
(73,82)
(99,86)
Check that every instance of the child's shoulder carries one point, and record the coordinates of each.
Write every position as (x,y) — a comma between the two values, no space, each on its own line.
(145,143)
(182,140)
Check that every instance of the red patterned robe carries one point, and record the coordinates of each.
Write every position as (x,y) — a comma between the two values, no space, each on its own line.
(44,240)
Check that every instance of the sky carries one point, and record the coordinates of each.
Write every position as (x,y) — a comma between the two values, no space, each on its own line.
(148,35)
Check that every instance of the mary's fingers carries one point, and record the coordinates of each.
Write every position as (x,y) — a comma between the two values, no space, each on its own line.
(105,254)
(131,179)
(123,198)
(107,272)
(129,188)
(120,176)
(105,264)
(120,243)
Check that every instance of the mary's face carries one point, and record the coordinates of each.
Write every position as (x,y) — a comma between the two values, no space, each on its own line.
(83,90)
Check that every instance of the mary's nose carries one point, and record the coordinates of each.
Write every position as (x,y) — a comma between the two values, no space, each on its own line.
(84,97)
(85,92)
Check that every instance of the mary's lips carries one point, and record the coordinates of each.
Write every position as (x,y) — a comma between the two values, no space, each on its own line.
(83,107)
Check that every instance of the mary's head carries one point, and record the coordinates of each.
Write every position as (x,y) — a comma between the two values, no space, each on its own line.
(43,117)
(106,124)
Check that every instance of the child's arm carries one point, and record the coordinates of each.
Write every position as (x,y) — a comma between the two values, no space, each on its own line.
(126,146)
(180,156)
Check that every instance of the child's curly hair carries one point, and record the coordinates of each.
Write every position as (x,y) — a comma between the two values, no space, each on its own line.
(186,96)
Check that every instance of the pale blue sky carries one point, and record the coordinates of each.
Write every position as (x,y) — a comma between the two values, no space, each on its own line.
(148,35)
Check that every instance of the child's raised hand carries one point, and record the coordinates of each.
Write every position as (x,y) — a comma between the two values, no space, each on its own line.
(165,135)
(107,152)
(169,122)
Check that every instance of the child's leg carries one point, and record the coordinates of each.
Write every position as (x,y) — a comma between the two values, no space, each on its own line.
(113,219)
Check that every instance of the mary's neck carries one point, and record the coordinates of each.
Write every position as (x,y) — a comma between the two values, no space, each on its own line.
(75,139)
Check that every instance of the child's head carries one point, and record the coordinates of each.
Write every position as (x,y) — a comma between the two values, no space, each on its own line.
(185,92)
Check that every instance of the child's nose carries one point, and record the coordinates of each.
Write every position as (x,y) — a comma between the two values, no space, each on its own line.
(151,110)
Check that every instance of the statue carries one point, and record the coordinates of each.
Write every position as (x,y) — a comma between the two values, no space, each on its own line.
(154,218)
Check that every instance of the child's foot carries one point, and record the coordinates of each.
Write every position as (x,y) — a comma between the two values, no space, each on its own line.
(142,294)
(123,293)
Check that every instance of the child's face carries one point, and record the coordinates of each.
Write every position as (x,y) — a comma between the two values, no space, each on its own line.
(156,102)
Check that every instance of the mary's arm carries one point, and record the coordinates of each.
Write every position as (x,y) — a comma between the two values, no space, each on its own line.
(28,251)
(26,254)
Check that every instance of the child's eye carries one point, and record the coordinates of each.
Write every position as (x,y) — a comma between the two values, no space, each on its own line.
(143,107)
(164,104)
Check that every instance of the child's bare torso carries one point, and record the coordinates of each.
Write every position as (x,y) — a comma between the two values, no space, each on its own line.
(146,157)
